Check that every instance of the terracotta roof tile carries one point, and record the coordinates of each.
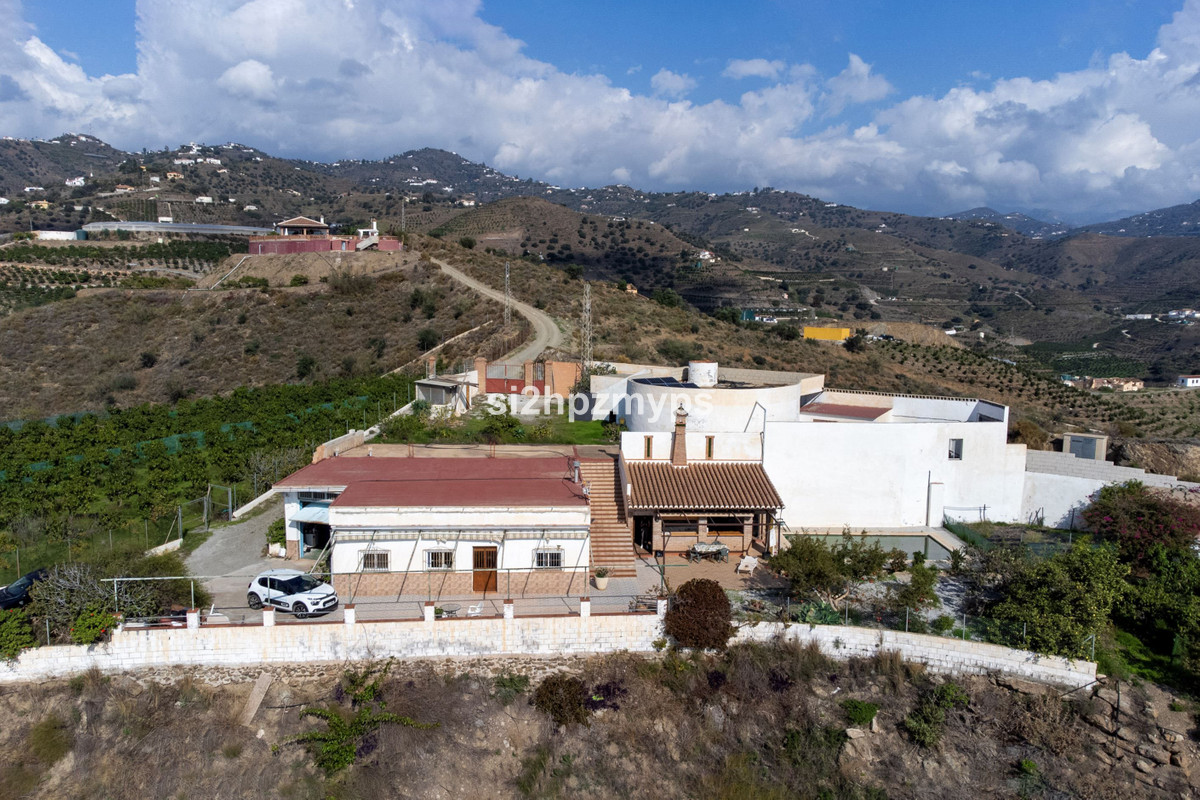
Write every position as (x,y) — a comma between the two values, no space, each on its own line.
(337,473)
(515,492)
(700,486)
(844,410)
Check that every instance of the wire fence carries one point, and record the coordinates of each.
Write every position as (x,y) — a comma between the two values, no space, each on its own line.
(226,598)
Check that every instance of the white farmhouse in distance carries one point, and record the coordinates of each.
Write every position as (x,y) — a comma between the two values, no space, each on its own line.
(1188,381)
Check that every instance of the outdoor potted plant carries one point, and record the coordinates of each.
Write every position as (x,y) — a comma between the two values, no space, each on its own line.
(601,578)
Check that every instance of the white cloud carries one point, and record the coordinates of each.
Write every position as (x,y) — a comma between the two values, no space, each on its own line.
(753,68)
(855,84)
(292,77)
(252,79)
(671,84)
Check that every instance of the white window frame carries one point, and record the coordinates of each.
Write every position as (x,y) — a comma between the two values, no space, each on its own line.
(374,556)
(446,554)
(555,552)
(956,449)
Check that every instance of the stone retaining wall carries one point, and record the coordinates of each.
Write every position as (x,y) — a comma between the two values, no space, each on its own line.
(939,654)
(314,642)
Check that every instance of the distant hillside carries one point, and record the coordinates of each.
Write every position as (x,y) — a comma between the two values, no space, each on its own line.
(1022,224)
(119,347)
(1182,220)
(640,252)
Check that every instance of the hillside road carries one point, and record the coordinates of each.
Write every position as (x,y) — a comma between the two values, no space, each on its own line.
(546,332)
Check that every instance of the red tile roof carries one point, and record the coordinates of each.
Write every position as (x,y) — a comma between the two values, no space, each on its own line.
(455,492)
(844,410)
(441,481)
(700,486)
(337,473)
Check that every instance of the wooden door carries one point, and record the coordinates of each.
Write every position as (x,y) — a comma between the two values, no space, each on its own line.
(484,569)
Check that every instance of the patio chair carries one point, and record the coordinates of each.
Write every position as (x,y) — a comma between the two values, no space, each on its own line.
(475,610)
(747,565)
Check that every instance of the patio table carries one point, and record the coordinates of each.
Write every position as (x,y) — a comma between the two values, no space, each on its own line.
(710,551)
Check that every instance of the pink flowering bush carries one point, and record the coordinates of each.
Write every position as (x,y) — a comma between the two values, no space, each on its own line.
(1136,519)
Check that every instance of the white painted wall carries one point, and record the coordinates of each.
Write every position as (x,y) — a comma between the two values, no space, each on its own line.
(726,446)
(314,642)
(410,554)
(458,517)
(652,408)
(869,475)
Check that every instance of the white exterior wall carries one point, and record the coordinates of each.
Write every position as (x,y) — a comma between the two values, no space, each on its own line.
(652,408)
(457,518)
(869,475)
(291,530)
(571,523)
(1054,497)
(312,642)
(1058,483)
(726,446)
(409,555)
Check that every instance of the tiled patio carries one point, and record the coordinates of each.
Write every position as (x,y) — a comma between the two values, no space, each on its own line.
(677,570)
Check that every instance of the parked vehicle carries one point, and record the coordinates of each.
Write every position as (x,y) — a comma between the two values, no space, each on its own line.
(16,594)
(291,590)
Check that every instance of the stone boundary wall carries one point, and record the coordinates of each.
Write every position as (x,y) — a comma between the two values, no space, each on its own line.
(574,634)
(1105,472)
(939,654)
(339,444)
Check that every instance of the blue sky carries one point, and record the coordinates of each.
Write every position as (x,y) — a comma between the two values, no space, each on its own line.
(1085,109)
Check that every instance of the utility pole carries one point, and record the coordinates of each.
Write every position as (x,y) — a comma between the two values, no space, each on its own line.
(403,206)
(507,297)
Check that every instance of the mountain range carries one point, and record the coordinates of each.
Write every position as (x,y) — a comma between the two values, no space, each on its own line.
(1009,276)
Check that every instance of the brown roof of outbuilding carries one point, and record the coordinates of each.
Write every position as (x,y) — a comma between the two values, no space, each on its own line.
(844,410)
(700,486)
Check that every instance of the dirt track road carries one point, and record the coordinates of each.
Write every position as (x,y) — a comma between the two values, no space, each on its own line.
(546,332)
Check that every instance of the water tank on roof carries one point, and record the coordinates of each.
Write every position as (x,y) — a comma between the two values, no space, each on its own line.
(702,373)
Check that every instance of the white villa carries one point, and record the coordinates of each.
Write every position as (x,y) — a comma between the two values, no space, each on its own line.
(734,456)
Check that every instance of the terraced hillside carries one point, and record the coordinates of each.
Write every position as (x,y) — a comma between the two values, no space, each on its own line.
(125,347)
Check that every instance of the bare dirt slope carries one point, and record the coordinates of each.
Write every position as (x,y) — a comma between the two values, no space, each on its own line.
(279,270)
(757,722)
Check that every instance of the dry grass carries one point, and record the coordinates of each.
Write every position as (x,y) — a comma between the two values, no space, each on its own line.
(83,353)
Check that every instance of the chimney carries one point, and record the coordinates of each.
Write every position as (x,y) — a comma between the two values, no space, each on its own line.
(481,371)
(431,367)
(575,471)
(679,440)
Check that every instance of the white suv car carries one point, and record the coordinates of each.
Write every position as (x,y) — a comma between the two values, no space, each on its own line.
(291,590)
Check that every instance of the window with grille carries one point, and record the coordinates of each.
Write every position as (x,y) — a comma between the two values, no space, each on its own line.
(375,561)
(709,446)
(439,559)
(547,559)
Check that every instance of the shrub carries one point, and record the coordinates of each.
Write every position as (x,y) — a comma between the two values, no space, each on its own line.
(347,732)
(563,699)
(1135,519)
(276,533)
(467,241)
(50,740)
(92,625)
(700,615)
(506,687)
(897,560)
(16,633)
(298,280)
(859,713)
(924,724)
(148,360)
(943,623)
(427,338)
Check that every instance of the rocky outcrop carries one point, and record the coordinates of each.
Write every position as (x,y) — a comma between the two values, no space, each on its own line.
(1179,457)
